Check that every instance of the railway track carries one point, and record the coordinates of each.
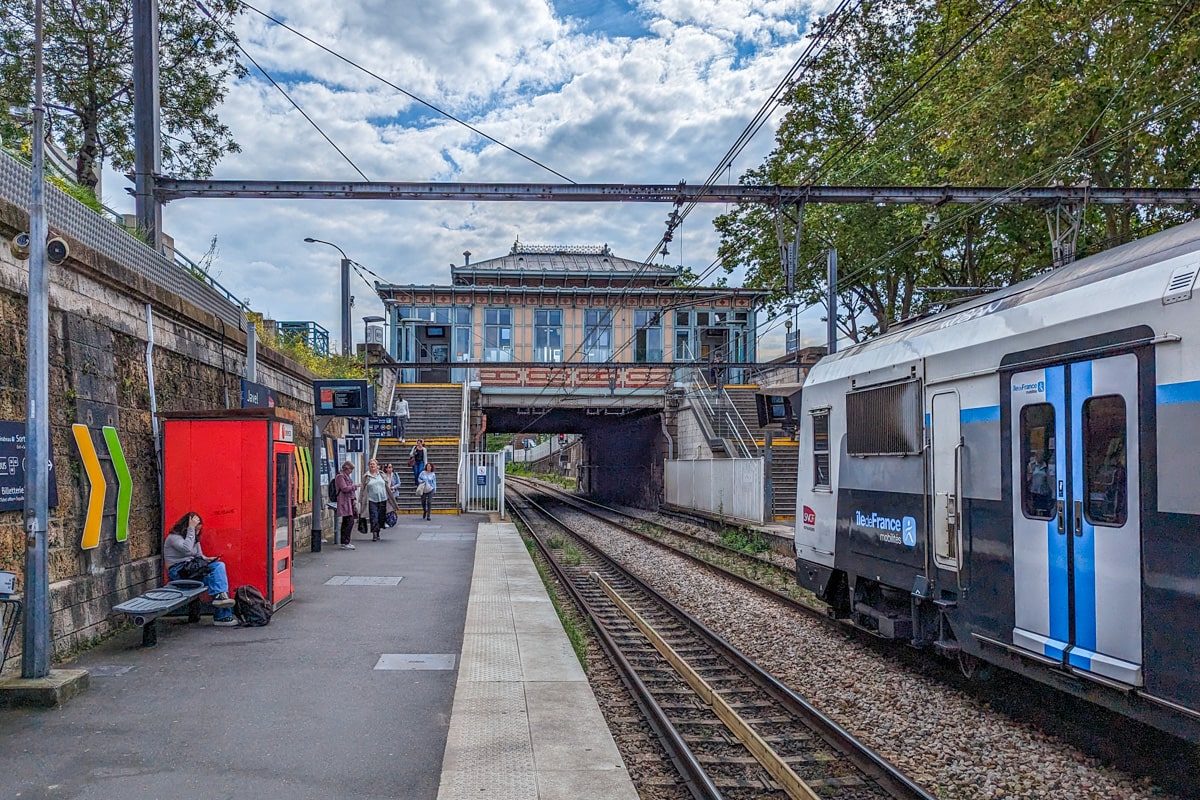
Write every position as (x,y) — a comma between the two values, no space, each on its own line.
(731,729)
(761,574)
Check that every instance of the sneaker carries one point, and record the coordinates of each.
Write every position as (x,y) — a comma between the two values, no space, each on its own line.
(349,547)
(222,600)
(226,623)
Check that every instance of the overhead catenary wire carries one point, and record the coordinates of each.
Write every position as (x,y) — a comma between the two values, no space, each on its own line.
(403,91)
(283,92)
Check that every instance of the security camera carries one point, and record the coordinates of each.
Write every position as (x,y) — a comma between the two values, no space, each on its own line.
(57,251)
(19,246)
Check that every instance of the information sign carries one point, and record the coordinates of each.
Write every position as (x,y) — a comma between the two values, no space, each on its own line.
(341,398)
(383,427)
(12,467)
(481,475)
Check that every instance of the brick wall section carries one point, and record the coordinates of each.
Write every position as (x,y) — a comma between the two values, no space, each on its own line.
(98,376)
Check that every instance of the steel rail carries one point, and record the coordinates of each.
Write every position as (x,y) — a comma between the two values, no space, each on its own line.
(686,763)
(875,771)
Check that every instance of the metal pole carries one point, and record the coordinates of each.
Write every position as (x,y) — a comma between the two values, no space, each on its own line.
(317,478)
(831,302)
(146,142)
(251,351)
(35,656)
(346,348)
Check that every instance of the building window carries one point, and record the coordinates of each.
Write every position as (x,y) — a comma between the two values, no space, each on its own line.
(597,334)
(1105,490)
(820,448)
(647,336)
(547,334)
(1038,461)
(497,334)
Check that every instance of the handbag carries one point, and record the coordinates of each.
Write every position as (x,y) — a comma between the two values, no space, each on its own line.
(423,489)
(390,520)
(194,569)
(412,462)
(362,524)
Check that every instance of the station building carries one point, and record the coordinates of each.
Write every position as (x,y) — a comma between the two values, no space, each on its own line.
(574,339)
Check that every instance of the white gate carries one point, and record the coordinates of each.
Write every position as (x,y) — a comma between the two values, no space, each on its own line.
(484,479)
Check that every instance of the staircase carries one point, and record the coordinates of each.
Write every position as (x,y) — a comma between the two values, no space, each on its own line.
(435,415)
(784,450)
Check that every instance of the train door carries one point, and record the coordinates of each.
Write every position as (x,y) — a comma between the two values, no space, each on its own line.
(1076,528)
(946,446)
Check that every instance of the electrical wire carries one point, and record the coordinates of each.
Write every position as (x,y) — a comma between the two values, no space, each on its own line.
(283,92)
(404,92)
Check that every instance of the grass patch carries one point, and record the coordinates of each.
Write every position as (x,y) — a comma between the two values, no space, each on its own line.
(573,625)
(745,541)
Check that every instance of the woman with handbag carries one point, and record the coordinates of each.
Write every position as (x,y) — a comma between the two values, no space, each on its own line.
(426,486)
(375,490)
(347,489)
(393,481)
(416,459)
(186,558)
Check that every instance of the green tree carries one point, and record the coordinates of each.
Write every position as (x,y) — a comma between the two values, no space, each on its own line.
(1101,92)
(89,80)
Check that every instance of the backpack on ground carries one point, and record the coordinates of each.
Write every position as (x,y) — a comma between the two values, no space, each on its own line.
(333,491)
(250,607)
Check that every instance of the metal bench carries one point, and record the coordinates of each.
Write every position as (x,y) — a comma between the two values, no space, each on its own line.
(147,608)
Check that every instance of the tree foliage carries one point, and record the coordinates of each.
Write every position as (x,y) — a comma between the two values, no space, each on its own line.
(1100,92)
(88,84)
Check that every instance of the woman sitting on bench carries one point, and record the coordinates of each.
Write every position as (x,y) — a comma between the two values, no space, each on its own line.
(181,546)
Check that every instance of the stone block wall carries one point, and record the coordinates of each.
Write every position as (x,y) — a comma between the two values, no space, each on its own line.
(99,331)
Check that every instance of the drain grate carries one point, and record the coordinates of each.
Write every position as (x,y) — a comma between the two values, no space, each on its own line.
(108,670)
(414,661)
(364,580)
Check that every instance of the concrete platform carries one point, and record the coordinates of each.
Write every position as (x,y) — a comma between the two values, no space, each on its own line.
(423,666)
(525,721)
(53,690)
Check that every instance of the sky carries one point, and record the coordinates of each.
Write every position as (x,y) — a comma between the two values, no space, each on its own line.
(599,91)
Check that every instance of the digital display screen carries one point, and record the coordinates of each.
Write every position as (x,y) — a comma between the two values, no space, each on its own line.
(435,330)
(341,398)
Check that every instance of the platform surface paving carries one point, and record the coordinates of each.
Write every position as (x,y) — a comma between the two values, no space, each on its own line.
(376,675)
(526,725)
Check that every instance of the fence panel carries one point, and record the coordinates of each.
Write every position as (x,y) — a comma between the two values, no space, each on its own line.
(484,490)
(727,487)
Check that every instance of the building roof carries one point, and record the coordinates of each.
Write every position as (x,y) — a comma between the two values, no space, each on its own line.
(576,259)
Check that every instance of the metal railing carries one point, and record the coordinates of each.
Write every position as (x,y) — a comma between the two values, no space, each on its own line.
(716,409)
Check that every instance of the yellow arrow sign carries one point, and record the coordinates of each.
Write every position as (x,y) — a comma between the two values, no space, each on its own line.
(95,510)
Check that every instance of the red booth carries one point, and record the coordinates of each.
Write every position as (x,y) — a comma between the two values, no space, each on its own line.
(234,468)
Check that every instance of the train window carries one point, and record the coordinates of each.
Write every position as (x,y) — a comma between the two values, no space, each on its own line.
(1105,482)
(884,421)
(820,449)
(1038,460)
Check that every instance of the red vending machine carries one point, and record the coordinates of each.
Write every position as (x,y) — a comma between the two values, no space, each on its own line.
(235,469)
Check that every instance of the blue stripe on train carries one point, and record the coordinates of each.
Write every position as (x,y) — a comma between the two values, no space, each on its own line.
(1188,392)
(981,414)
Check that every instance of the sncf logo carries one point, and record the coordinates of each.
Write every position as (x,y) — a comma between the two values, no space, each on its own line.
(810,516)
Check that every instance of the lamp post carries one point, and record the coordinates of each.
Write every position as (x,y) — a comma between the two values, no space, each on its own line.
(346,349)
(368,321)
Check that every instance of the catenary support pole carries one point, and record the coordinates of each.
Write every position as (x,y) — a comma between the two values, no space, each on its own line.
(346,345)
(831,302)
(35,655)
(147,145)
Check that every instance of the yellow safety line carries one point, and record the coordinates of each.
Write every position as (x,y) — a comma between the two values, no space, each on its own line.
(789,781)
(95,510)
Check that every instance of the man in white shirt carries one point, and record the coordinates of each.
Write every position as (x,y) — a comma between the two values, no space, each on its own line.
(401,415)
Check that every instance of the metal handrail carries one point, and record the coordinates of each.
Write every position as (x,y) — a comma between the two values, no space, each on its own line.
(741,431)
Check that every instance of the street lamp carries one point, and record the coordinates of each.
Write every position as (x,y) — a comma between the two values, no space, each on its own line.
(367,322)
(345,292)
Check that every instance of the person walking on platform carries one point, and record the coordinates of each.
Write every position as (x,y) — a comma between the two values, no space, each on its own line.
(427,485)
(375,491)
(393,507)
(401,417)
(180,551)
(416,459)
(345,503)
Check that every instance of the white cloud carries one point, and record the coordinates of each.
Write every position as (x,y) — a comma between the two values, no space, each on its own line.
(659,107)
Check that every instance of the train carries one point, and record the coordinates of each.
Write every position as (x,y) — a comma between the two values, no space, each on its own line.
(1015,481)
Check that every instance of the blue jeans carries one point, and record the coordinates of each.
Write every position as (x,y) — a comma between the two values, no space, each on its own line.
(216,581)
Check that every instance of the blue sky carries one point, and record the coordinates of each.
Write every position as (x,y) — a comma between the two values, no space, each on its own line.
(602,91)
